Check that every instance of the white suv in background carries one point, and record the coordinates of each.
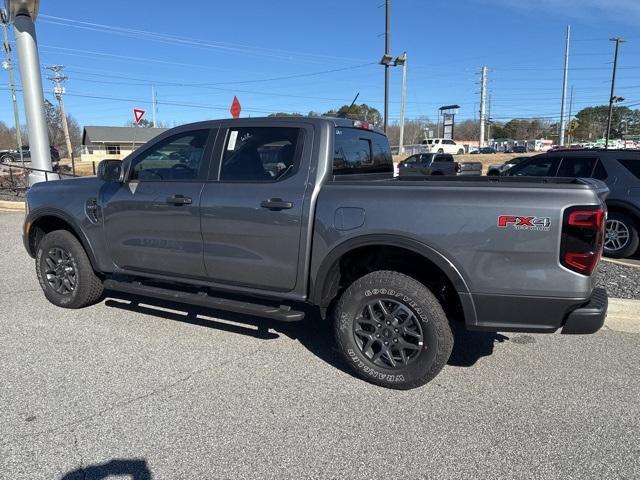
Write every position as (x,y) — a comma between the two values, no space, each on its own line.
(442,145)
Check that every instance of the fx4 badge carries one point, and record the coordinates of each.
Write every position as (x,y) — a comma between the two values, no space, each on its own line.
(524,223)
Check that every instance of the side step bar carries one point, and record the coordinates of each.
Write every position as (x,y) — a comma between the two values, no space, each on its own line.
(282,313)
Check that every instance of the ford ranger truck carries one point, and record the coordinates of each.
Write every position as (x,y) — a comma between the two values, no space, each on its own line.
(264,215)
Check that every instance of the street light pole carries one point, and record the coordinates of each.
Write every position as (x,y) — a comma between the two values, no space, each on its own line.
(402,60)
(23,14)
(612,98)
(386,65)
(564,85)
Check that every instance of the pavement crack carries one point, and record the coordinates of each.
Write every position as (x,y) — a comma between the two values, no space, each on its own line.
(76,449)
(158,391)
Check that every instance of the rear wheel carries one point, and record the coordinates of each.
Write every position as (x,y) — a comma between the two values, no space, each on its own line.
(460,152)
(64,271)
(621,237)
(392,331)
(440,150)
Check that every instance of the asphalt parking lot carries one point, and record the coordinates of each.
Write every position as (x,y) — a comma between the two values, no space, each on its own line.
(132,389)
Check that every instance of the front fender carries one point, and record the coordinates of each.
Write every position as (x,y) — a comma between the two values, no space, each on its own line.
(35,216)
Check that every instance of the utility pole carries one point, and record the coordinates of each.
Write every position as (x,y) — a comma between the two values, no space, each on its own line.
(483,94)
(570,116)
(402,60)
(612,98)
(59,91)
(489,118)
(387,29)
(154,102)
(7,65)
(564,84)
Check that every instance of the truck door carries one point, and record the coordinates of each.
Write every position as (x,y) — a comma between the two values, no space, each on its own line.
(253,210)
(152,219)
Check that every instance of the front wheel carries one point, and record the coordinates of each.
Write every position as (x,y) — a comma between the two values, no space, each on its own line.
(621,236)
(440,150)
(64,271)
(6,159)
(392,331)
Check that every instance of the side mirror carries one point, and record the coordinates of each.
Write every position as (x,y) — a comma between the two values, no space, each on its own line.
(110,170)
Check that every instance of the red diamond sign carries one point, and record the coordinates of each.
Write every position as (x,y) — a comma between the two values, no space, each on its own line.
(137,114)
(235,107)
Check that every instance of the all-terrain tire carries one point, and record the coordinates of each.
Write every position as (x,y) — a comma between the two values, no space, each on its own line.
(631,241)
(61,256)
(430,354)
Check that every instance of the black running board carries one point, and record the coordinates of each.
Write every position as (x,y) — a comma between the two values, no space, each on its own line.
(282,313)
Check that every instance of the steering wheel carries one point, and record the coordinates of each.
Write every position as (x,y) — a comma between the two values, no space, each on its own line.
(180,166)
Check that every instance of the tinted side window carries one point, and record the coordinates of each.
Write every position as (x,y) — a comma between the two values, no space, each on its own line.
(359,151)
(176,158)
(576,167)
(412,159)
(261,154)
(444,158)
(599,172)
(539,167)
(633,165)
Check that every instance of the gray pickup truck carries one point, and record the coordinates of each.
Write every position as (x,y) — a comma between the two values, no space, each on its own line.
(262,216)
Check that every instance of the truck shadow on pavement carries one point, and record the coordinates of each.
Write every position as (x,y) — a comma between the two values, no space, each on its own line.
(133,469)
(313,333)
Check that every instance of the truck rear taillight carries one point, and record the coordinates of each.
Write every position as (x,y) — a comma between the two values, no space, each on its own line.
(457,167)
(582,239)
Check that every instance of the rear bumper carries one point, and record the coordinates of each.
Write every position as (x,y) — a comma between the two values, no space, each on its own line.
(589,318)
(509,313)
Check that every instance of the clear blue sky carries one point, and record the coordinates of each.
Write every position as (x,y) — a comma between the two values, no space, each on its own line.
(198,57)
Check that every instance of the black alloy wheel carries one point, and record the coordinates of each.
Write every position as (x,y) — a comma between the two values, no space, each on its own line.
(388,333)
(60,271)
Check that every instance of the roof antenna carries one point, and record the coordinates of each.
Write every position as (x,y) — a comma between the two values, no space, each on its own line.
(344,115)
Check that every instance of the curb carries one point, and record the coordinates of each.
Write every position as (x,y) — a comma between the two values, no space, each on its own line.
(623,262)
(8,206)
(623,315)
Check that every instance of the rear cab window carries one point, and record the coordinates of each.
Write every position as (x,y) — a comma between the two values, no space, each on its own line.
(576,167)
(357,151)
(632,165)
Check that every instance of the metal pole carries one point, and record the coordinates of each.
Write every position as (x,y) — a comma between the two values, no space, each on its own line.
(59,91)
(570,116)
(404,101)
(386,66)
(618,40)
(154,105)
(564,85)
(483,93)
(12,84)
(489,119)
(29,60)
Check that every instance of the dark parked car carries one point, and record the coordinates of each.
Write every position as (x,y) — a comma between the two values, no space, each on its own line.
(261,215)
(428,164)
(13,156)
(501,168)
(519,149)
(619,169)
(485,150)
